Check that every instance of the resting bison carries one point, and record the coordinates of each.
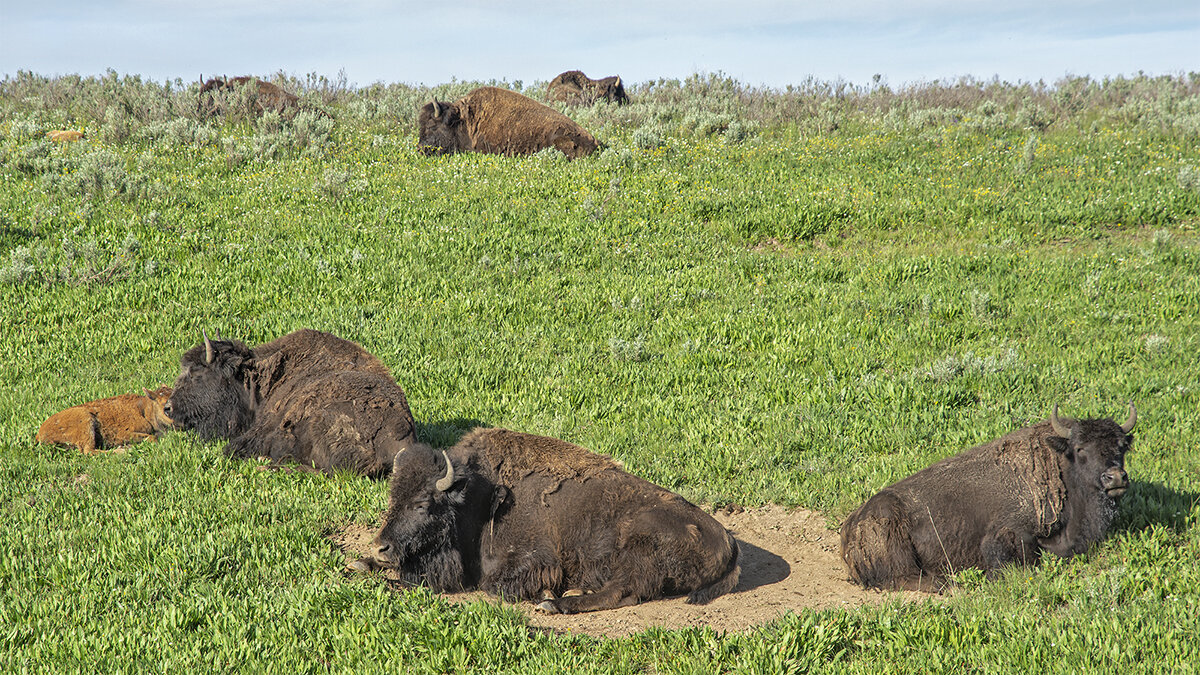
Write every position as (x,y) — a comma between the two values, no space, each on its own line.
(530,517)
(109,422)
(1052,487)
(267,96)
(308,397)
(575,87)
(65,135)
(500,122)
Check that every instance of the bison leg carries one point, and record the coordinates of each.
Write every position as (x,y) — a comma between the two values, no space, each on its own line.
(1006,546)
(526,575)
(609,597)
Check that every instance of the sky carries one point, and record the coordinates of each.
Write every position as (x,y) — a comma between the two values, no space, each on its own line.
(759,42)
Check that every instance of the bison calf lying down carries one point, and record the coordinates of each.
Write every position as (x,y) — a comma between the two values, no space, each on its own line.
(308,397)
(1052,487)
(109,422)
(267,96)
(501,122)
(530,517)
(575,87)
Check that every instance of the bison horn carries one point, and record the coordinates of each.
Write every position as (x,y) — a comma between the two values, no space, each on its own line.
(1132,420)
(208,348)
(618,80)
(437,108)
(446,481)
(1061,426)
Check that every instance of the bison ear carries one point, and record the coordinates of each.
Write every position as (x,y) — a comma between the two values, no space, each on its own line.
(1058,444)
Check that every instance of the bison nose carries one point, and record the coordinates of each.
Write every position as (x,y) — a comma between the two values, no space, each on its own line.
(1114,481)
(383,552)
(167,409)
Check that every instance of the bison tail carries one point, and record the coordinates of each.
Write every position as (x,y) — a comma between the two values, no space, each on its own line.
(733,572)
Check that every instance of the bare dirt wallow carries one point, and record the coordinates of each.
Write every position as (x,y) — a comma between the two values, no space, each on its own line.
(789,561)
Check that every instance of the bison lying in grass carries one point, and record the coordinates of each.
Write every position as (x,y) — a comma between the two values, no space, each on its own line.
(1051,487)
(308,397)
(267,96)
(575,87)
(501,122)
(109,422)
(530,517)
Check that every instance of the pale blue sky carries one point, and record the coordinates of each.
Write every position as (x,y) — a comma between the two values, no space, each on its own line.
(757,41)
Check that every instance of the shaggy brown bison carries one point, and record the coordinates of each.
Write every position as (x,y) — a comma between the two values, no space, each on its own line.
(308,397)
(1051,487)
(529,517)
(267,96)
(500,122)
(109,422)
(575,87)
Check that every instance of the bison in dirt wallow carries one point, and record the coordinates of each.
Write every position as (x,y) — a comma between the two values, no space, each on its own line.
(1051,487)
(500,122)
(308,397)
(530,517)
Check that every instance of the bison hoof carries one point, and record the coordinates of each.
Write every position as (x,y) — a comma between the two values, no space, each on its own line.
(548,607)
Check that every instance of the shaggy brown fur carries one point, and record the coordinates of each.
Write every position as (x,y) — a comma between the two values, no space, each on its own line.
(109,422)
(1000,503)
(267,96)
(308,397)
(501,122)
(522,531)
(64,135)
(576,88)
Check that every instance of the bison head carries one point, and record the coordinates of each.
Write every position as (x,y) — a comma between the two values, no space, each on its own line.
(213,391)
(156,408)
(611,88)
(442,129)
(1095,451)
(430,517)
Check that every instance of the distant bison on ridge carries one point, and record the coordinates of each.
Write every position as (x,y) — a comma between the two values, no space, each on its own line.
(575,87)
(109,422)
(501,122)
(1051,487)
(267,96)
(530,517)
(308,397)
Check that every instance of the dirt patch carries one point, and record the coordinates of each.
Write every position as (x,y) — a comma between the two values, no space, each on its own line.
(789,562)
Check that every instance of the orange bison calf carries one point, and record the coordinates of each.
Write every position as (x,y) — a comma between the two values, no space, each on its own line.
(109,422)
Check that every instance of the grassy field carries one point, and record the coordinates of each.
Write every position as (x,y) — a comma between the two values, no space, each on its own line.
(748,297)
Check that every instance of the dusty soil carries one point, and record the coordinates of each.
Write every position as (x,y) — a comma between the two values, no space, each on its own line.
(789,561)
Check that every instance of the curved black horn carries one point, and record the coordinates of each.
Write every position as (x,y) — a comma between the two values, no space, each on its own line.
(1061,426)
(446,481)
(1132,420)
(208,348)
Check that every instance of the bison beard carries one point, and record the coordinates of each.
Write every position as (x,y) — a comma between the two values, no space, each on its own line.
(308,397)
(482,516)
(1049,487)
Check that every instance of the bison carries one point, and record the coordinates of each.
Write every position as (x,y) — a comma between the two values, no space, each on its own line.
(109,422)
(65,135)
(501,122)
(267,96)
(575,87)
(529,517)
(308,397)
(1051,487)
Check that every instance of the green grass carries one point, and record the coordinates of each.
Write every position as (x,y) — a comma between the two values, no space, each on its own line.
(799,318)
